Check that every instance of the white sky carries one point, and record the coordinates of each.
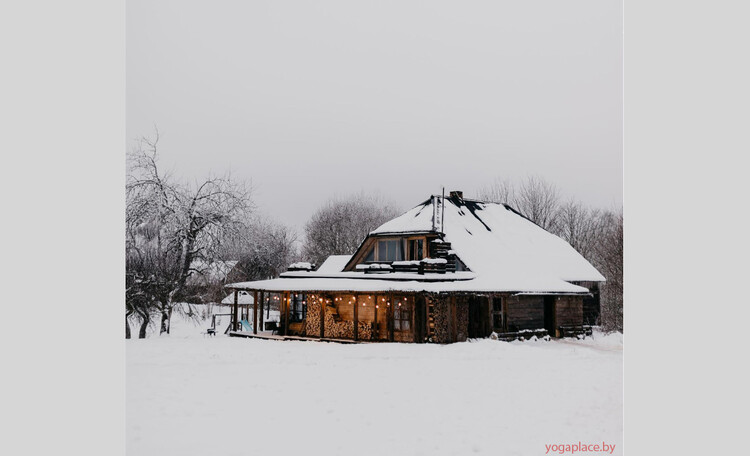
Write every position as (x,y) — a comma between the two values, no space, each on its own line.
(311,99)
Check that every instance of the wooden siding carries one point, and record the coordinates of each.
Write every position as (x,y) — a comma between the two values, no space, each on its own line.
(525,312)
(569,311)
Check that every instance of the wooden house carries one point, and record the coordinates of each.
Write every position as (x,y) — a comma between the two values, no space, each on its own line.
(447,270)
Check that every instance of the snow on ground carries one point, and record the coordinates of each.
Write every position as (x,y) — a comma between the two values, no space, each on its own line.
(188,394)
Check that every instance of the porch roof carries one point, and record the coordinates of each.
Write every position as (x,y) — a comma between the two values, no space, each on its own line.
(360,282)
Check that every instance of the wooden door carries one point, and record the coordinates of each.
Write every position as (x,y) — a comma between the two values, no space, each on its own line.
(549,314)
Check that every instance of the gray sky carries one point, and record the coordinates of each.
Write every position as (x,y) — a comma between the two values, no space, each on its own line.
(314,99)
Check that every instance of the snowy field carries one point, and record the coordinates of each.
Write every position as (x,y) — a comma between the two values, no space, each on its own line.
(188,394)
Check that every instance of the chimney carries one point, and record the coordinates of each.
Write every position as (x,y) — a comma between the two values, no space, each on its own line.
(458,194)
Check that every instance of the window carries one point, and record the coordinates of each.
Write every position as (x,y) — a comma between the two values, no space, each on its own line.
(297,308)
(401,319)
(390,250)
(416,249)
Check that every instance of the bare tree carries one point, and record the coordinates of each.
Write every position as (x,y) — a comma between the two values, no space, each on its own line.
(169,224)
(538,200)
(499,191)
(535,198)
(264,253)
(580,226)
(607,256)
(339,226)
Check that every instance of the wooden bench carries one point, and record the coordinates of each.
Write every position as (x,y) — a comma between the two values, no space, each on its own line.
(577,331)
(525,334)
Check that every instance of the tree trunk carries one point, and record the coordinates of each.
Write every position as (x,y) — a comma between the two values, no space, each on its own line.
(127,328)
(164,322)
(144,325)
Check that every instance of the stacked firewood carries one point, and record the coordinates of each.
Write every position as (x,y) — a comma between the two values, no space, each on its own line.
(440,317)
(462,319)
(312,321)
(335,328)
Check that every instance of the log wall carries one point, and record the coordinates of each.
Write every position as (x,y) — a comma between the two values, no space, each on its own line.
(569,311)
(525,312)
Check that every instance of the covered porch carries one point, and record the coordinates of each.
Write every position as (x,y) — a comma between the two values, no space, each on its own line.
(336,316)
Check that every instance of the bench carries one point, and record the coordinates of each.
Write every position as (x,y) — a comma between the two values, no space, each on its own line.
(577,331)
(524,334)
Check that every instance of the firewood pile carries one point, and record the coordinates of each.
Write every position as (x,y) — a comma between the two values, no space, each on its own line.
(440,317)
(462,319)
(335,327)
(312,321)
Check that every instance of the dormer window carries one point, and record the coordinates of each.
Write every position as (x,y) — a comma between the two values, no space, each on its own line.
(415,248)
(390,250)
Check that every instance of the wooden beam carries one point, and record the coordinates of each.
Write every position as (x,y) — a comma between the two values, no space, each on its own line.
(390,317)
(322,316)
(285,299)
(356,317)
(376,332)
(262,304)
(235,310)
(255,312)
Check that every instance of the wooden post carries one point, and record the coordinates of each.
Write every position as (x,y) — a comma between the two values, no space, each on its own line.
(416,331)
(322,316)
(255,312)
(376,333)
(262,297)
(390,317)
(235,310)
(285,298)
(491,300)
(356,317)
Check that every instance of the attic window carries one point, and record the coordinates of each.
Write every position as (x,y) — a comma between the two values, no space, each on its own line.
(390,250)
(415,249)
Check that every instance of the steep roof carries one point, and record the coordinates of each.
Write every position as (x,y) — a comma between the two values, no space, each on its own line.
(334,263)
(495,241)
(504,251)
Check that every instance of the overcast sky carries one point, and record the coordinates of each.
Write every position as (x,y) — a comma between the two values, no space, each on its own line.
(314,99)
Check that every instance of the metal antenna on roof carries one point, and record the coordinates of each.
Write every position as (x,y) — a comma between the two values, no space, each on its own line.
(442,217)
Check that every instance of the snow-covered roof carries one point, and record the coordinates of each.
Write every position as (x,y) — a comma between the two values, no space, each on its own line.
(495,241)
(386,283)
(504,251)
(334,263)
(243,298)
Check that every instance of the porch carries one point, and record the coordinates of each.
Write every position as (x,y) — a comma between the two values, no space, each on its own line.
(268,336)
